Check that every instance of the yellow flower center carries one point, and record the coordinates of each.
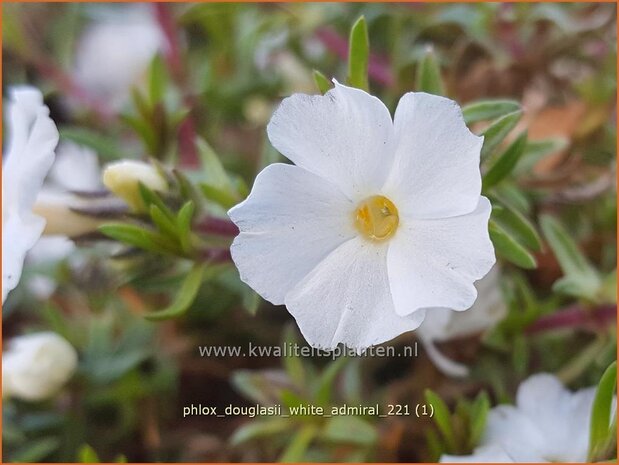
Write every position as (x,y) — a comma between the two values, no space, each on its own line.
(376,218)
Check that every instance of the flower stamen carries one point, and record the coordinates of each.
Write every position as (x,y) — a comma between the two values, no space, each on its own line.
(376,218)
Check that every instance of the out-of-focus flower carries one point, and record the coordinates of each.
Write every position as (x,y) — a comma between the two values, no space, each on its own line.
(36,366)
(123,179)
(30,155)
(115,51)
(378,221)
(76,169)
(548,424)
(442,324)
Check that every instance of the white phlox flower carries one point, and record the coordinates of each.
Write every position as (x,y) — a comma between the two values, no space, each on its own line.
(443,324)
(549,423)
(377,221)
(115,51)
(36,366)
(29,156)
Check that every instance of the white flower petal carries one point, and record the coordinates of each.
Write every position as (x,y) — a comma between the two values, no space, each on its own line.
(486,454)
(436,168)
(33,137)
(344,136)
(559,414)
(76,168)
(289,223)
(516,432)
(444,364)
(433,263)
(346,299)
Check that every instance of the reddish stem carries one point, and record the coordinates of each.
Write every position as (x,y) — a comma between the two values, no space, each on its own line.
(575,316)
(173,55)
(378,66)
(216,256)
(217,226)
(67,85)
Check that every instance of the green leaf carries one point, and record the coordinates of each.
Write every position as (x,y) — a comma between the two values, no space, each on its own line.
(350,430)
(517,224)
(140,237)
(575,266)
(442,418)
(321,81)
(601,411)
(498,130)
(87,454)
(298,445)
(185,297)
(506,162)
(157,79)
(105,147)
(163,222)
(478,417)
(293,365)
(488,109)
(260,429)
(358,55)
(538,149)
(325,383)
(183,222)
(508,247)
(219,196)
(429,74)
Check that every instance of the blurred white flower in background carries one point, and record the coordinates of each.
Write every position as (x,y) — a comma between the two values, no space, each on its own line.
(378,221)
(442,324)
(549,423)
(29,157)
(115,51)
(36,366)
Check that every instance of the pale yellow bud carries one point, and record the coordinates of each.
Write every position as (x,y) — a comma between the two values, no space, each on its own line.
(123,178)
(60,219)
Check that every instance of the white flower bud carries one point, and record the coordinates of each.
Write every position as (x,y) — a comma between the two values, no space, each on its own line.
(123,178)
(36,366)
(60,219)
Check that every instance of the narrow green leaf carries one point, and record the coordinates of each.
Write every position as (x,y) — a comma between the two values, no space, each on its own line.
(324,386)
(321,81)
(498,130)
(87,454)
(157,79)
(295,451)
(572,261)
(185,297)
(140,237)
(260,429)
(517,224)
(479,415)
(429,74)
(442,418)
(538,149)
(601,411)
(358,55)
(506,162)
(105,147)
(163,223)
(293,365)
(150,197)
(219,196)
(183,222)
(488,109)
(350,430)
(508,248)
